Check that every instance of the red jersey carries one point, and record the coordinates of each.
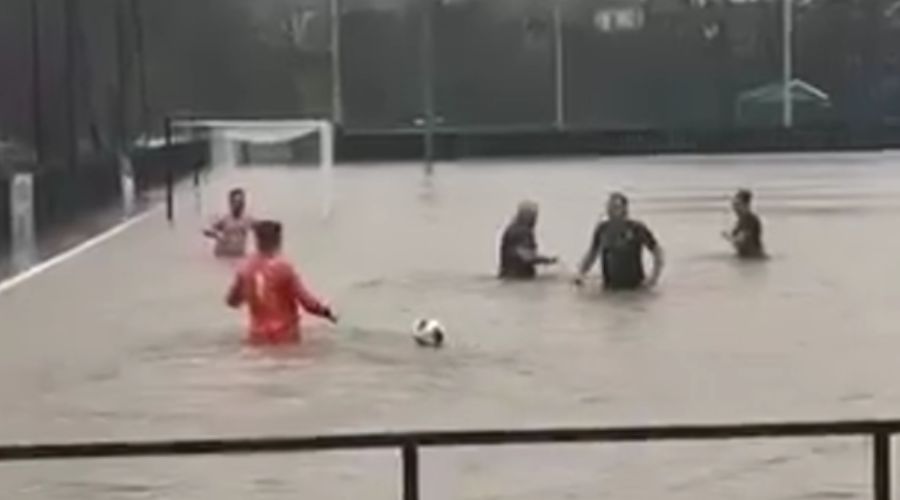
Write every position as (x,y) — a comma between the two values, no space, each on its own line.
(273,293)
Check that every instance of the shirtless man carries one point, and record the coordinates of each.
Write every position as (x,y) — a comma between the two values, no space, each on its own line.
(230,231)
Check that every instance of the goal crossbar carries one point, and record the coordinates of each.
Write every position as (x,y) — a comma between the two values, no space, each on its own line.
(222,132)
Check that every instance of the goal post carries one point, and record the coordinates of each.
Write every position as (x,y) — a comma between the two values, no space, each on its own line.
(225,135)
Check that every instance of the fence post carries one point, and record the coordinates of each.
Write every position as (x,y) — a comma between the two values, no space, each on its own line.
(170,175)
(170,193)
(326,155)
(410,472)
(882,465)
(167,130)
(22,211)
(127,184)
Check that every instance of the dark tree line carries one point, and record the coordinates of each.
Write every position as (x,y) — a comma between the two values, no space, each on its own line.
(85,77)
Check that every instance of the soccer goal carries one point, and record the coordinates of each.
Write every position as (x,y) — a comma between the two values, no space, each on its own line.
(245,143)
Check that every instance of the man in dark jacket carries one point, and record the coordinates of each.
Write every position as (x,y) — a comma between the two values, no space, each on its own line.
(519,255)
(618,243)
(746,237)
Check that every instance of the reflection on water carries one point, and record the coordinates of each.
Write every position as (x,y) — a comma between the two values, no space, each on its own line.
(132,340)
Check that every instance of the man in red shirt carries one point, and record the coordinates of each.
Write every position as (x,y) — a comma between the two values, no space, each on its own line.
(272,291)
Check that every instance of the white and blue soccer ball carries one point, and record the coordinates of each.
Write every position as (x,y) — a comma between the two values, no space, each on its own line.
(429,333)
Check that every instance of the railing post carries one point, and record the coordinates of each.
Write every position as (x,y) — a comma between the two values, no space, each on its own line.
(882,465)
(23,212)
(410,472)
(170,193)
(167,130)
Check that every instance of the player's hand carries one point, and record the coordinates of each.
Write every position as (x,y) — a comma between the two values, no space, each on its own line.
(547,261)
(329,314)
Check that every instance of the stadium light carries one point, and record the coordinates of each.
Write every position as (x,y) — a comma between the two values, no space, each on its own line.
(787,51)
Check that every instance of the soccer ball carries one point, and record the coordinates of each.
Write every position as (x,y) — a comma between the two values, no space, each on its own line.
(428,333)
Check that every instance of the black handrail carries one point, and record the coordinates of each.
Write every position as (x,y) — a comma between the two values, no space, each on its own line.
(408,443)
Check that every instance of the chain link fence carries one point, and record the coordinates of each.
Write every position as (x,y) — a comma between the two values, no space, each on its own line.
(618,65)
(87,79)
(91,75)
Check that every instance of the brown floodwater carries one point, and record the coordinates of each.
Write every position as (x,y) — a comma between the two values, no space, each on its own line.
(131,339)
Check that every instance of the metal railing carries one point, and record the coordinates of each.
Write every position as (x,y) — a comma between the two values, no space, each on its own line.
(409,443)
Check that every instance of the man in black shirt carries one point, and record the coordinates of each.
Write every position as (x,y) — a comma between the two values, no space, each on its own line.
(518,248)
(619,243)
(746,237)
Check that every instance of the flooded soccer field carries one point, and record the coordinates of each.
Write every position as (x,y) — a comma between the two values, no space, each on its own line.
(131,339)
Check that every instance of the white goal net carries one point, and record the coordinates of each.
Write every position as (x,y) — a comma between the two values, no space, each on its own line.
(239,143)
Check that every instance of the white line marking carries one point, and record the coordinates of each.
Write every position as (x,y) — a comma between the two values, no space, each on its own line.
(58,259)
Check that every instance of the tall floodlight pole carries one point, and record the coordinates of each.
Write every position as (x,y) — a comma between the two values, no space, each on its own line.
(71,72)
(559,64)
(337,104)
(36,83)
(123,56)
(140,49)
(427,55)
(787,53)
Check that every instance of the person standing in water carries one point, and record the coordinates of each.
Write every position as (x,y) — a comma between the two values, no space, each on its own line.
(519,255)
(273,292)
(619,242)
(230,231)
(746,236)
